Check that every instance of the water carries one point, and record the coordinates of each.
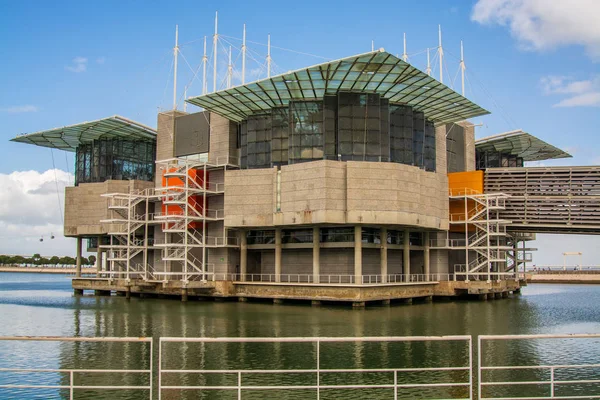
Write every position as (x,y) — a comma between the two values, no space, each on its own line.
(43,304)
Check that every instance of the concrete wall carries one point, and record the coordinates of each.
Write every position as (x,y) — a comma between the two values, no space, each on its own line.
(460,146)
(85,207)
(223,139)
(337,193)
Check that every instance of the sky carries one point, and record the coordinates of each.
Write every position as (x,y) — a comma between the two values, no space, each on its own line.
(534,64)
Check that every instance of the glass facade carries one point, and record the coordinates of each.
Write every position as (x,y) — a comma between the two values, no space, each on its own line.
(494,159)
(346,127)
(106,159)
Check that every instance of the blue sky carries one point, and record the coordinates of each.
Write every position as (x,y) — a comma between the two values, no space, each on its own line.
(66,62)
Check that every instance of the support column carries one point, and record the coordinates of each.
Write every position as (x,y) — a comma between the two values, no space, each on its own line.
(384,254)
(316,255)
(78,258)
(426,263)
(406,255)
(98,257)
(243,256)
(277,254)
(358,254)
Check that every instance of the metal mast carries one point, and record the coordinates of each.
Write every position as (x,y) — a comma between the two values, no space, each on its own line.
(269,56)
(404,55)
(175,51)
(215,38)
(462,68)
(244,56)
(229,70)
(428,70)
(204,61)
(441,53)
(184,99)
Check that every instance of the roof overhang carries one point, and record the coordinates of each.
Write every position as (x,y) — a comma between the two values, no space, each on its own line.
(520,144)
(69,137)
(374,72)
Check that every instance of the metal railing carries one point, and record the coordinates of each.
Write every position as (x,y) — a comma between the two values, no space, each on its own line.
(72,373)
(395,378)
(548,374)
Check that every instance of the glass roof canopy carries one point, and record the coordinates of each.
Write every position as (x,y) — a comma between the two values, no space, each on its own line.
(69,137)
(520,144)
(374,72)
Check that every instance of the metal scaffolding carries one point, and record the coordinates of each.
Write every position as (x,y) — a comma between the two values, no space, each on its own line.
(162,234)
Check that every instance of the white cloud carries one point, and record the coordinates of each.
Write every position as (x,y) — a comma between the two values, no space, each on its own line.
(582,93)
(79,65)
(29,210)
(545,24)
(20,109)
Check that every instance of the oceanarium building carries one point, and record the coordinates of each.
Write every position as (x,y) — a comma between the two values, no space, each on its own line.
(354,180)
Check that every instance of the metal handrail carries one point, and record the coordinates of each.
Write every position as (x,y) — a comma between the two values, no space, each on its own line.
(73,371)
(318,371)
(552,382)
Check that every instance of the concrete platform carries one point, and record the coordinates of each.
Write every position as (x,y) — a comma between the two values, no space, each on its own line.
(357,295)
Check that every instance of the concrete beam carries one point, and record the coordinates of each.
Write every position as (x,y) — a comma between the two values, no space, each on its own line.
(78,258)
(243,255)
(358,254)
(406,255)
(316,254)
(384,254)
(277,254)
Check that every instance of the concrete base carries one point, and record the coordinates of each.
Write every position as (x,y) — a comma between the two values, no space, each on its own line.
(505,294)
(315,303)
(242,299)
(386,302)
(358,304)
(78,292)
(315,293)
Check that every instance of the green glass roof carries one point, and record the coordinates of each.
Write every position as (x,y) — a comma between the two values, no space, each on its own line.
(374,72)
(69,137)
(521,144)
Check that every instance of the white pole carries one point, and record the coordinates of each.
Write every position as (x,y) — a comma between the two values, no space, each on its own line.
(204,61)
(428,70)
(175,51)
(404,55)
(229,70)
(184,99)
(269,56)
(372,45)
(462,68)
(441,53)
(244,56)
(215,38)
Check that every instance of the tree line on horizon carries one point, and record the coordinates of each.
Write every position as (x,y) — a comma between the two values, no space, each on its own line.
(37,260)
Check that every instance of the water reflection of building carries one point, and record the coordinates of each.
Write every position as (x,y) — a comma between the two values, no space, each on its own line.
(358,179)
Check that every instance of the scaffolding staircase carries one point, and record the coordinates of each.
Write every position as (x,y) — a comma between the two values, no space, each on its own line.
(485,243)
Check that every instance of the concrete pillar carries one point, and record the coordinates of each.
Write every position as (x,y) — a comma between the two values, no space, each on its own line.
(406,255)
(184,294)
(243,255)
(315,303)
(277,301)
(98,257)
(78,258)
(357,254)
(386,302)
(78,292)
(316,255)
(426,263)
(358,304)
(277,254)
(384,254)
(242,299)
(128,292)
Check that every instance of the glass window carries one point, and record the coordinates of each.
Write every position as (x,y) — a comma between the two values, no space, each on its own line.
(297,236)
(401,134)
(306,132)
(329,235)
(259,141)
(261,237)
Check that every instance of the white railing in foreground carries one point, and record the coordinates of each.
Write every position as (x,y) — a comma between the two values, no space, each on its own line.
(548,370)
(72,372)
(318,371)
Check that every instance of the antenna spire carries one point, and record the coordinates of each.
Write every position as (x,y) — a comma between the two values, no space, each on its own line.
(229,70)
(269,56)
(441,53)
(372,45)
(204,61)
(404,55)
(462,68)
(428,70)
(215,39)
(244,56)
(175,51)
